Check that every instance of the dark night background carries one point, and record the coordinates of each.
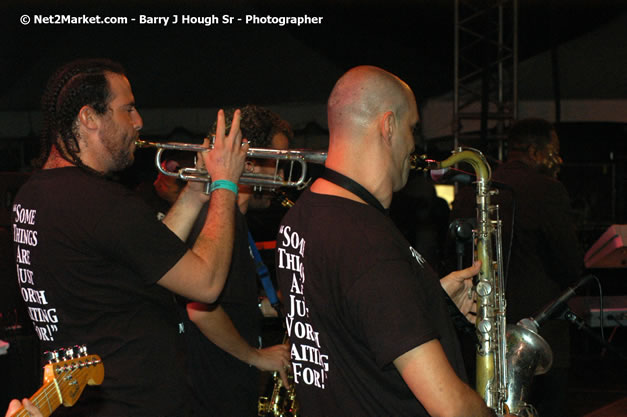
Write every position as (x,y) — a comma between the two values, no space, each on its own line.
(198,66)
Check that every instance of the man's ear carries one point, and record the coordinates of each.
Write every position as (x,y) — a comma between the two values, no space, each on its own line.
(533,152)
(88,118)
(388,126)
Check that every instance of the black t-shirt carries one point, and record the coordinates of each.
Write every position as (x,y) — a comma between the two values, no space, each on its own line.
(222,384)
(89,254)
(358,296)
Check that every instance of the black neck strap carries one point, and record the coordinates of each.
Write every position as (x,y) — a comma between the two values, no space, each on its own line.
(352,186)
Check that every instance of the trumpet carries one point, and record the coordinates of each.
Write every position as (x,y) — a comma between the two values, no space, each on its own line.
(292,174)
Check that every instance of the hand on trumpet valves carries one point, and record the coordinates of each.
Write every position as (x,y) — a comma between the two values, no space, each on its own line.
(459,286)
(226,160)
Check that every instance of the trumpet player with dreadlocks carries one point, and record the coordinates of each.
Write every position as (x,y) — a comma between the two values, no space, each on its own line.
(95,266)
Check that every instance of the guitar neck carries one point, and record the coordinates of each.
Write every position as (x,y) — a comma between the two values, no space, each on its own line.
(46,399)
(65,380)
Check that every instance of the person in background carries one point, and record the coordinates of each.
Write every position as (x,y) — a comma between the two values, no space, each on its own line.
(225,337)
(543,256)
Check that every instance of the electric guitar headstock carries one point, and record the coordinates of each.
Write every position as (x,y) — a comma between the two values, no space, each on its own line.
(65,376)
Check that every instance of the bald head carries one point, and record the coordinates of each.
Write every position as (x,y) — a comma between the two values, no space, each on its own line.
(372,116)
(361,95)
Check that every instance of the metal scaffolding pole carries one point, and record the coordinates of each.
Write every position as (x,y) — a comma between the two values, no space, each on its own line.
(486,70)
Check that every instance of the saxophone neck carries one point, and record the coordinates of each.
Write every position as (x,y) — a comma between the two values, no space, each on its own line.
(475,158)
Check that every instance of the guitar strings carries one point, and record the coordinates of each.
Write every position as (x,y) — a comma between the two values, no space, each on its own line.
(55,387)
(43,399)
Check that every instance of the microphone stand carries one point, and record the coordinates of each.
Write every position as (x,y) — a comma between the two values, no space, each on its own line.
(581,325)
(461,229)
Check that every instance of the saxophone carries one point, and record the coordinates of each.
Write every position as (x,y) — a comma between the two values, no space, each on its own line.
(282,401)
(507,357)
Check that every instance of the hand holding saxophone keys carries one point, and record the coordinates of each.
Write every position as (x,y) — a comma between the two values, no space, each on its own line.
(273,358)
(458,285)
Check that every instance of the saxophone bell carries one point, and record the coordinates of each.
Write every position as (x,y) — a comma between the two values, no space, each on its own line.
(528,354)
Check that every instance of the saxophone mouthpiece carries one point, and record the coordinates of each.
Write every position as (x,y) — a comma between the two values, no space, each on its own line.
(421,163)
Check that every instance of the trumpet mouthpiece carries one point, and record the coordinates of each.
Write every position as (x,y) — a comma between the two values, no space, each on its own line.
(142,143)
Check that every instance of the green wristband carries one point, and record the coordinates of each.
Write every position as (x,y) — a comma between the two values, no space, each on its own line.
(229,185)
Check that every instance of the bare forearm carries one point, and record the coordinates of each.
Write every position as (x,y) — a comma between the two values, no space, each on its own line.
(183,213)
(216,325)
(215,243)
(471,404)
(461,401)
(435,384)
(201,273)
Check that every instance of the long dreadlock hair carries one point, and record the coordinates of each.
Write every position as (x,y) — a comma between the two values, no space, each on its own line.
(74,85)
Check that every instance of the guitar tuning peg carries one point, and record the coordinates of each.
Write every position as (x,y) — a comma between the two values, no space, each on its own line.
(82,350)
(70,353)
(51,356)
